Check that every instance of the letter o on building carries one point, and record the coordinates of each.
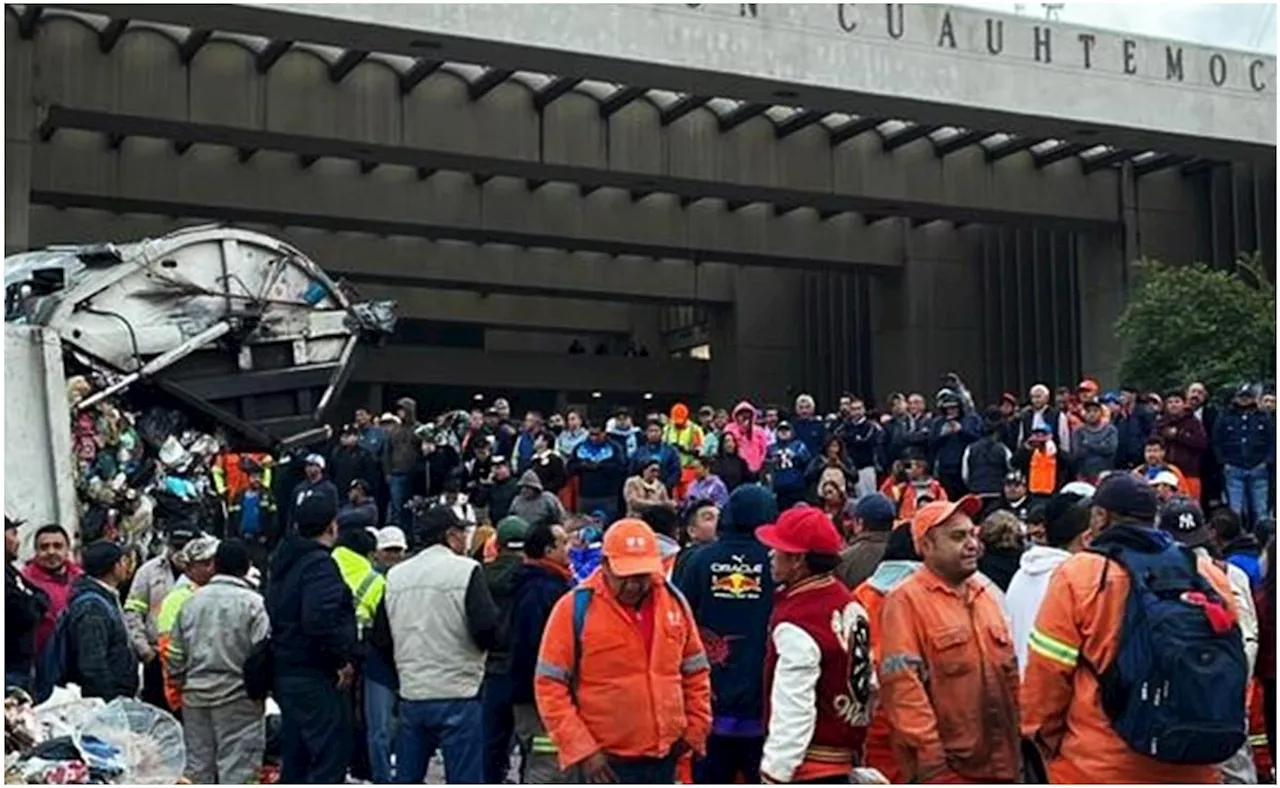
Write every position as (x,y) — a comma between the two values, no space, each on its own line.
(1218,70)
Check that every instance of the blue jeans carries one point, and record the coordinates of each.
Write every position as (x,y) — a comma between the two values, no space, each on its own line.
(1247,491)
(379,717)
(456,726)
(499,726)
(401,490)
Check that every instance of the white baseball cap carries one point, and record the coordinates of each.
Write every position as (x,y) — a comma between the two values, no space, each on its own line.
(1167,478)
(392,537)
(316,460)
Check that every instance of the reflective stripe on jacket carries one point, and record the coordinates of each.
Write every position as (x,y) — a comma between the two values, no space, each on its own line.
(172,605)
(151,584)
(617,706)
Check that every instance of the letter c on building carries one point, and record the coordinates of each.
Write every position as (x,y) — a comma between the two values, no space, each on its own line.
(1254,79)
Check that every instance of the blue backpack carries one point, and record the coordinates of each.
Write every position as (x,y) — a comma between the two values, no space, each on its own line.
(55,663)
(1176,689)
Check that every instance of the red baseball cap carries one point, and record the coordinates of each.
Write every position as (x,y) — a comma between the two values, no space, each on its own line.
(931,515)
(802,529)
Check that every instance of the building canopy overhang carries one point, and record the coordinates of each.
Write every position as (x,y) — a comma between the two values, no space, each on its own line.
(929,67)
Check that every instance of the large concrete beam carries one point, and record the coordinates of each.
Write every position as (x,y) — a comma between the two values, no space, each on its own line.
(146,175)
(534,313)
(221,97)
(431,366)
(403,261)
(928,63)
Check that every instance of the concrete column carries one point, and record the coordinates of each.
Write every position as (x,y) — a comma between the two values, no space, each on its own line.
(754,348)
(1103,269)
(19,126)
(1102,274)
(925,317)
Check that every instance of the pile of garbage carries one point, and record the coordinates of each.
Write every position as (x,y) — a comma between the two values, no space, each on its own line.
(139,472)
(72,741)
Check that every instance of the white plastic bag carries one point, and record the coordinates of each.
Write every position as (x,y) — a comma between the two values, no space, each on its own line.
(149,739)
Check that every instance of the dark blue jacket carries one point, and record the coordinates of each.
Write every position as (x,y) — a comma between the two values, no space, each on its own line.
(666,455)
(730,590)
(523,451)
(1244,438)
(812,432)
(536,591)
(863,442)
(600,468)
(787,464)
(948,449)
(906,432)
(313,617)
(1133,431)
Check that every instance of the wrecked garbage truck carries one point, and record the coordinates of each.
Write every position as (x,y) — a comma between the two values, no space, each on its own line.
(132,369)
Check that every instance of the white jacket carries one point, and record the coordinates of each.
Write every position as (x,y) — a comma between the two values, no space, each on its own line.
(1026,592)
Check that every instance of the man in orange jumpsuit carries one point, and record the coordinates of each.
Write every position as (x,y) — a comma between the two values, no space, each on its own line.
(948,676)
(622,682)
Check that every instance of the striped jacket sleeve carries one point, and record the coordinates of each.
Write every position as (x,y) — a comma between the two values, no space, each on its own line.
(1053,654)
(551,680)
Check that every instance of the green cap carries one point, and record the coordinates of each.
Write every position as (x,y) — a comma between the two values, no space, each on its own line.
(511,531)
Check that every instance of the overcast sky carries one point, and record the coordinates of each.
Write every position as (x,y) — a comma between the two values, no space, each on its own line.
(1239,26)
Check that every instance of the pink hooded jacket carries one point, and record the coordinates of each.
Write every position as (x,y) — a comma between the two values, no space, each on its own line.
(751,448)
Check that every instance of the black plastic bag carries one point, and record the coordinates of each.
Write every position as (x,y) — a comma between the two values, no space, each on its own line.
(157,424)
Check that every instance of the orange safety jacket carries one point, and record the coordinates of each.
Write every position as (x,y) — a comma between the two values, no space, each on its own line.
(611,702)
(1079,622)
(905,496)
(229,479)
(1042,478)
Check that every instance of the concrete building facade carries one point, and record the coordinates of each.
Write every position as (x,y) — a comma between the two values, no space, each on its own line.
(820,198)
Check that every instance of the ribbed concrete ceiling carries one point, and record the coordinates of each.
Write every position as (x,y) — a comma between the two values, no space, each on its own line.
(611,97)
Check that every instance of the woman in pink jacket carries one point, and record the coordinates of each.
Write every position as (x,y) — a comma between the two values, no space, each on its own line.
(752,441)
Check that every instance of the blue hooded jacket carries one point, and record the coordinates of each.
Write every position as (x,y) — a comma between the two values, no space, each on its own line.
(730,589)
(313,618)
(537,589)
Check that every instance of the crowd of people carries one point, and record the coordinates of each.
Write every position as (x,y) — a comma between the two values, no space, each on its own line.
(770,594)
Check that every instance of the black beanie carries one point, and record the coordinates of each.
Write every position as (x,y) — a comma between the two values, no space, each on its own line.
(99,558)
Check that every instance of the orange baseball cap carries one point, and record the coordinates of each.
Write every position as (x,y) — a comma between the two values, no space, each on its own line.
(632,549)
(931,515)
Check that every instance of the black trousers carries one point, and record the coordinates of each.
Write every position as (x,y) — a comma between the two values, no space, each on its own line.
(315,730)
(728,756)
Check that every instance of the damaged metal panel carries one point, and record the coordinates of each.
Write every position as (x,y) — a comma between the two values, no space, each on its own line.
(199,310)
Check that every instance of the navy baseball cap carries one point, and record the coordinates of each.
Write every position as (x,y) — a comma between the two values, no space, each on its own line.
(315,512)
(1183,519)
(1126,495)
(875,507)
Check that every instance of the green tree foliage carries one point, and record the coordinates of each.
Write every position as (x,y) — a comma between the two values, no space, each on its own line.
(1192,322)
